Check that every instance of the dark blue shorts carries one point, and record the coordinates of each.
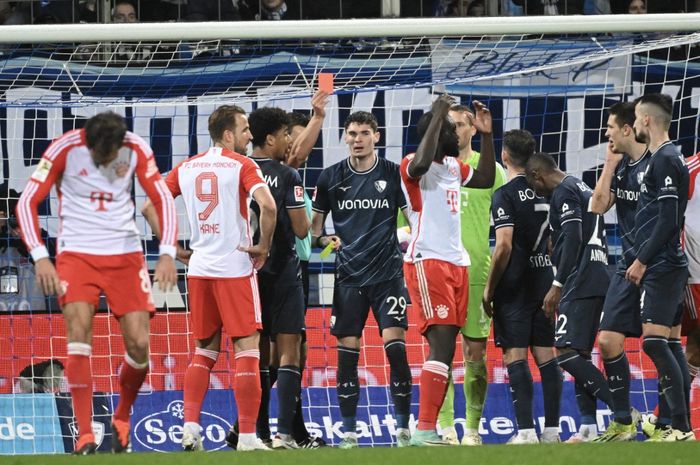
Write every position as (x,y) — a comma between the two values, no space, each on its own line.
(577,323)
(521,325)
(282,300)
(622,312)
(351,307)
(663,290)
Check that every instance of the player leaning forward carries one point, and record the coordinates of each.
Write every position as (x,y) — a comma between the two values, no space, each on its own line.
(435,264)
(99,250)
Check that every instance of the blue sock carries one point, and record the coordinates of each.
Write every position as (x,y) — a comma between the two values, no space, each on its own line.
(586,405)
(677,349)
(670,379)
(617,370)
(288,387)
(348,386)
(262,424)
(552,379)
(401,381)
(584,372)
(521,390)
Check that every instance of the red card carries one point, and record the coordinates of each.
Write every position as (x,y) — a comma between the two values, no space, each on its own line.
(325,82)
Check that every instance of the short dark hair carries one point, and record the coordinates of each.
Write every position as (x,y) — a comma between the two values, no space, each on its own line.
(297,119)
(623,113)
(661,101)
(362,117)
(542,161)
(265,121)
(520,145)
(222,119)
(104,133)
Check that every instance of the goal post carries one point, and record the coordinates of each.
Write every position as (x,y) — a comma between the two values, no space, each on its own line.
(555,77)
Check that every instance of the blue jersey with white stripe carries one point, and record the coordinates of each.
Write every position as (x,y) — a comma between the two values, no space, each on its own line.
(364,208)
(666,176)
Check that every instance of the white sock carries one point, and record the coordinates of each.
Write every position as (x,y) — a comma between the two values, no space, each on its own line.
(588,431)
(550,431)
(527,432)
(249,439)
(470,431)
(192,428)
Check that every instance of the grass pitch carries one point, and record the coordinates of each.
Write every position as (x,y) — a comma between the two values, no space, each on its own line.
(631,453)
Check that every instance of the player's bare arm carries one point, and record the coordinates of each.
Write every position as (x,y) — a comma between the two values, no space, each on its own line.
(429,144)
(47,277)
(317,237)
(300,222)
(268,218)
(603,199)
(499,263)
(302,146)
(149,213)
(165,272)
(485,172)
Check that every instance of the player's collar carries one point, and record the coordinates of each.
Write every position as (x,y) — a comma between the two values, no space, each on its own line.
(376,162)
(635,162)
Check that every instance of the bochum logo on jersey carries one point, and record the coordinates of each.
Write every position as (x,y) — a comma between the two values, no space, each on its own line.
(380,185)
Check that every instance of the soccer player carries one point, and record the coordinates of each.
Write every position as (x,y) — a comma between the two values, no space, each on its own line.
(281,288)
(520,276)
(580,255)
(660,266)
(436,262)
(363,195)
(475,205)
(619,183)
(223,293)
(304,132)
(99,250)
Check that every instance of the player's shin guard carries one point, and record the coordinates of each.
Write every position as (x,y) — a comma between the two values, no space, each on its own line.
(401,380)
(617,370)
(584,372)
(197,382)
(677,349)
(670,379)
(246,389)
(521,391)
(433,383)
(288,387)
(131,378)
(348,386)
(552,380)
(475,387)
(79,375)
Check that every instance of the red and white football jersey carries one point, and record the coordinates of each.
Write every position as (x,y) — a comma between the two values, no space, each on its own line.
(216,187)
(691,233)
(433,211)
(96,212)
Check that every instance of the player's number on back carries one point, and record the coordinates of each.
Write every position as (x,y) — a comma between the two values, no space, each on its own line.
(398,305)
(541,207)
(207,190)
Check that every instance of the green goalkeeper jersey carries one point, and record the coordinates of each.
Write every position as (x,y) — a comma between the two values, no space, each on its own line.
(476,223)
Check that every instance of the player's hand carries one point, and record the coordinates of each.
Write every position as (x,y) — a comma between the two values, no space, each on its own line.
(325,240)
(47,277)
(486,300)
(635,272)
(551,301)
(481,120)
(441,105)
(319,102)
(183,255)
(612,158)
(165,273)
(258,253)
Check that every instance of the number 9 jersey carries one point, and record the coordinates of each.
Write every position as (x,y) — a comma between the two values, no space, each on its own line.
(216,187)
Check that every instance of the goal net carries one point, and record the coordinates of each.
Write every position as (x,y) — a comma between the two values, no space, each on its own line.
(555,79)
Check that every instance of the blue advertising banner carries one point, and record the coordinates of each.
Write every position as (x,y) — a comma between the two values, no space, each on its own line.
(29,424)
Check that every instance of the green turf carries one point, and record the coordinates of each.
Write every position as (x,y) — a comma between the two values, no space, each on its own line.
(559,454)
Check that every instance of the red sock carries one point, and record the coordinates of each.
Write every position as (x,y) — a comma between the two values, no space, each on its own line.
(246,389)
(197,382)
(79,375)
(131,378)
(433,386)
(656,411)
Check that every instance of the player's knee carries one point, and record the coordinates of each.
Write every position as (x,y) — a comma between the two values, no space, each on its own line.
(611,345)
(137,348)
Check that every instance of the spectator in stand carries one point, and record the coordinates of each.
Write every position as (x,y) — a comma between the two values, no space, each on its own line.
(272,10)
(637,7)
(476,8)
(596,7)
(124,12)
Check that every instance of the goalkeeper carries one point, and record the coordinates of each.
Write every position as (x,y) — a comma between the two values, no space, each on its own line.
(475,211)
